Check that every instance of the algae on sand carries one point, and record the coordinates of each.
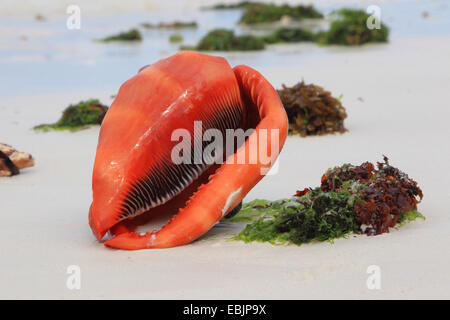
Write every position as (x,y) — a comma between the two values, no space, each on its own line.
(238,5)
(226,40)
(131,35)
(269,12)
(78,116)
(316,216)
(286,35)
(312,110)
(175,38)
(349,27)
(350,200)
(170,25)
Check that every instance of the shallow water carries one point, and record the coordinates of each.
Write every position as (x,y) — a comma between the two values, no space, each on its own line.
(44,56)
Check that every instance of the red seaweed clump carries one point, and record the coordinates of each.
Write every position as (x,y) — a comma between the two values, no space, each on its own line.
(385,193)
(386,198)
(333,179)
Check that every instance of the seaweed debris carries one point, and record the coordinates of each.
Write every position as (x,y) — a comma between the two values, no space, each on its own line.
(349,27)
(226,40)
(312,110)
(284,35)
(350,200)
(175,38)
(170,25)
(131,35)
(78,116)
(237,5)
(385,195)
(269,12)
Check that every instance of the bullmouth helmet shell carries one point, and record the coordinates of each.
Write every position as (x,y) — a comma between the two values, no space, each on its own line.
(164,113)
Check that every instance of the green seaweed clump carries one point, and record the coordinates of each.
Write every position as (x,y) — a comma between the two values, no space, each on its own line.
(257,209)
(238,5)
(170,25)
(174,38)
(350,200)
(226,40)
(289,35)
(349,27)
(131,35)
(311,110)
(269,12)
(317,216)
(78,116)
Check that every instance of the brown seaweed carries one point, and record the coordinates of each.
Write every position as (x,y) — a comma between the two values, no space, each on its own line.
(312,110)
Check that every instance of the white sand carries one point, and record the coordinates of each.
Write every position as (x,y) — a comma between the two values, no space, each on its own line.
(404,114)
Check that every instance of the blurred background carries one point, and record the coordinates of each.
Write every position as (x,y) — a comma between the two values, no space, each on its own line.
(39,54)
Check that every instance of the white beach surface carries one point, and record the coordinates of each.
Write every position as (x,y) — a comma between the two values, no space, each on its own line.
(403,114)
(396,97)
